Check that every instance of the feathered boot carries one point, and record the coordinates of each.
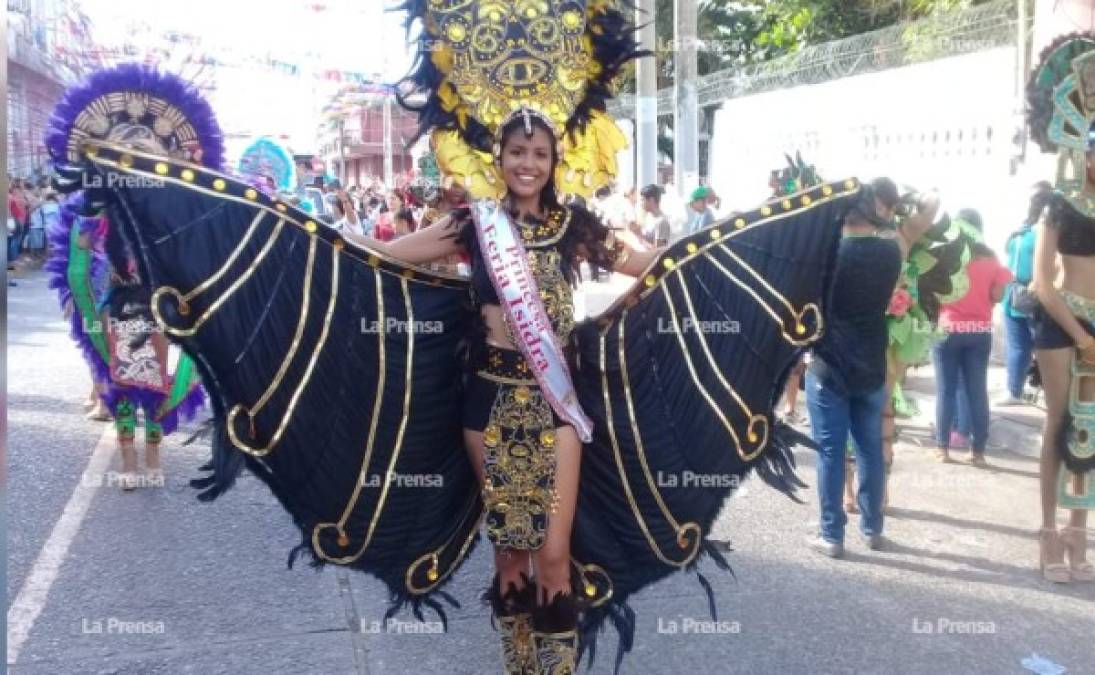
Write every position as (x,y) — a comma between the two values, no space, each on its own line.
(513,612)
(555,635)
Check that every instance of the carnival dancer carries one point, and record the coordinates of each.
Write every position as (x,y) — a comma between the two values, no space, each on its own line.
(100,290)
(1061,116)
(335,369)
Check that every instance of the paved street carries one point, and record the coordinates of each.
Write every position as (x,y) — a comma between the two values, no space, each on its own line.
(101,581)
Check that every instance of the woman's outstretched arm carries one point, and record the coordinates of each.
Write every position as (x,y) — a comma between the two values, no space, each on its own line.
(431,243)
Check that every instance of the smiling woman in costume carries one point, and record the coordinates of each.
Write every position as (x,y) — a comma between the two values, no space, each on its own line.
(388,449)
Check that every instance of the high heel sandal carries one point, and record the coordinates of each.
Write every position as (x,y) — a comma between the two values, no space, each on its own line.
(1051,546)
(1075,543)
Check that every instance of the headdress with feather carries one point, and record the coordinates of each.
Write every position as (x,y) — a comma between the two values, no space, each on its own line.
(481,63)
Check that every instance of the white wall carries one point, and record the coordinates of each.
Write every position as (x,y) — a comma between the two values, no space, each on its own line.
(947,124)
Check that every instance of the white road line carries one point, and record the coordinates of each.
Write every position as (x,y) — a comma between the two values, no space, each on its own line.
(32,596)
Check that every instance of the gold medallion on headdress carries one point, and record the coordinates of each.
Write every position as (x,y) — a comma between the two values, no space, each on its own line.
(492,60)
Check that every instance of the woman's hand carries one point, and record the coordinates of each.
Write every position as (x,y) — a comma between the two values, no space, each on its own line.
(1087,351)
(633,256)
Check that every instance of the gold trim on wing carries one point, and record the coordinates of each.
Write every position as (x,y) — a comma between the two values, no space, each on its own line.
(206,181)
(382,379)
(639,449)
(397,448)
(184,299)
(589,589)
(724,230)
(755,419)
(305,303)
(306,293)
(627,485)
(696,380)
(304,380)
(434,575)
(798,314)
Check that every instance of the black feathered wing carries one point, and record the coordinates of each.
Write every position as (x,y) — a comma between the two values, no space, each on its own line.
(681,377)
(333,373)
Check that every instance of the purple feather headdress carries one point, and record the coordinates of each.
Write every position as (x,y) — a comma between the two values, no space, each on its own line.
(144,80)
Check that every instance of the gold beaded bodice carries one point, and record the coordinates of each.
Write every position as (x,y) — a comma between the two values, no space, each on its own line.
(541,240)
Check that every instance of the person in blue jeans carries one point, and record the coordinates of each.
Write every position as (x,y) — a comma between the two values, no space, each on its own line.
(962,428)
(964,353)
(1020,327)
(845,382)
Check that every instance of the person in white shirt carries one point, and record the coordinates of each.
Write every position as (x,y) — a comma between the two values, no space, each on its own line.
(699,214)
(655,223)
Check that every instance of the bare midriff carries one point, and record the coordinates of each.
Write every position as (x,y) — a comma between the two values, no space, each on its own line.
(1078,275)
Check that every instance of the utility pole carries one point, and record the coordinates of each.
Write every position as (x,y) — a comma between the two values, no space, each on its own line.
(686,168)
(388,141)
(646,99)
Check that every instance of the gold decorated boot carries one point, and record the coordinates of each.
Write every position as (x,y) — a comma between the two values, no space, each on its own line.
(555,636)
(512,610)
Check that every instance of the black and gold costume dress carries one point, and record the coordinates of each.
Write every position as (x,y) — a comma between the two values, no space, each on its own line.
(359,433)
(502,398)
(335,373)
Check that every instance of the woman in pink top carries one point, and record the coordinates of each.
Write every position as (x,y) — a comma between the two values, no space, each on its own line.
(964,354)
(385,223)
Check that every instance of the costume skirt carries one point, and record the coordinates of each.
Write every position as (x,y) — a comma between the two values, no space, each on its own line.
(503,401)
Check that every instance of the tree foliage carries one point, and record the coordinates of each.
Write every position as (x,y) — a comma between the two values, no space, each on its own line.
(740,32)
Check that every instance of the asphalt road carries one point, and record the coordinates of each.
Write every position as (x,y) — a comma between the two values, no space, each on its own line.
(156,582)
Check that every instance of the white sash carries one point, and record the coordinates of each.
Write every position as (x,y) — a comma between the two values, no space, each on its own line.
(519,297)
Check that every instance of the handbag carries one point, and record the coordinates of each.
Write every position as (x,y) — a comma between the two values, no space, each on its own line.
(1022,299)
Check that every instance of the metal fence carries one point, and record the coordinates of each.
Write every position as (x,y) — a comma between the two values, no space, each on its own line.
(967,31)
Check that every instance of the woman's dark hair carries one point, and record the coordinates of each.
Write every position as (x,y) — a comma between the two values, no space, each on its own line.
(1043,190)
(864,210)
(977,248)
(548,197)
(406,215)
(972,217)
(339,209)
(652,192)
